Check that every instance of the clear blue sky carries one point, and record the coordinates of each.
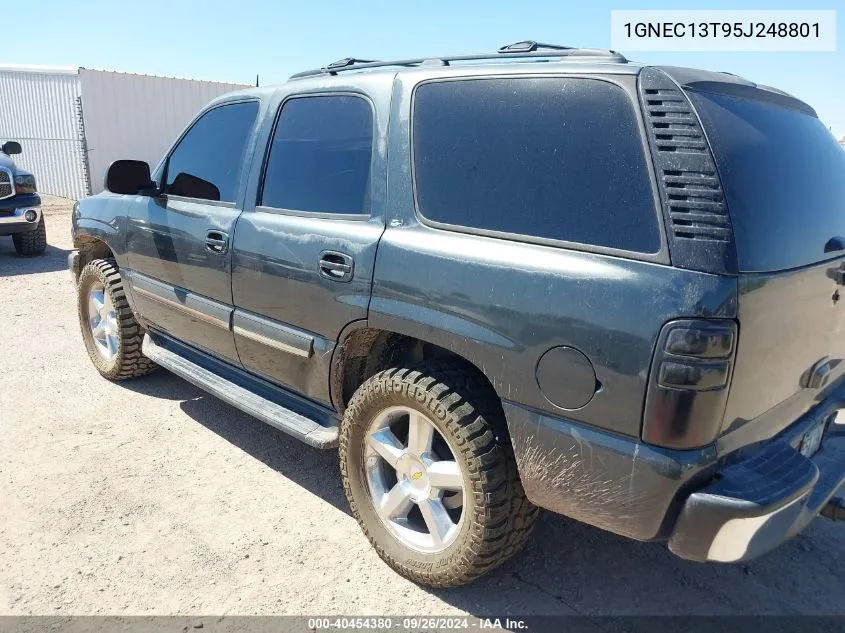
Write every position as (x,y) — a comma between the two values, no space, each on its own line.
(237,39)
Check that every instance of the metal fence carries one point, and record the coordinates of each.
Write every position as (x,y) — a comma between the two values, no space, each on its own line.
(137,116)
(73,122)
(39,109)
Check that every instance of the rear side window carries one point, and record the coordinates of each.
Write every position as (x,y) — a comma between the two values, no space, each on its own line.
(783,174)
(555,158)
(207,161)
(320,156)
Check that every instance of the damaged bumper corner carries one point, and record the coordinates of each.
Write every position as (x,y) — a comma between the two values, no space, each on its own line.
(604,479)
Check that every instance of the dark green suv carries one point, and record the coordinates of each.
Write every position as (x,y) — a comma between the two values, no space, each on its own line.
(543,276)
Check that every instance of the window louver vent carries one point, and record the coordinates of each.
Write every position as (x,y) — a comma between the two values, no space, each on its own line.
(674,125)
(696,205)
(691,187)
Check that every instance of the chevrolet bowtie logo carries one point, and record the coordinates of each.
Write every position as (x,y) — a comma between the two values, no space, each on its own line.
(415,476)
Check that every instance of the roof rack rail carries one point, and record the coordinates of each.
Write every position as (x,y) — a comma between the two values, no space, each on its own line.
(528,48)
(350,61)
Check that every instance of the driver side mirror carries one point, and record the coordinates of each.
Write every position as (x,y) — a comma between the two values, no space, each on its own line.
(129,177)
(11,147)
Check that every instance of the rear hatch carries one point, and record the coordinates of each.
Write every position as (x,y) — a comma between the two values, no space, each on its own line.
(783,175)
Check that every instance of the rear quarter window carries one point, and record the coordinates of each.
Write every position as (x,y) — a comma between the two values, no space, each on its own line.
(552,158)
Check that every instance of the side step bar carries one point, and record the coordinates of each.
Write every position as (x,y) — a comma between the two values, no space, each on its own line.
(272,413)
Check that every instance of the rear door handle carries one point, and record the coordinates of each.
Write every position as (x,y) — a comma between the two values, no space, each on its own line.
(217,241)
(336,266)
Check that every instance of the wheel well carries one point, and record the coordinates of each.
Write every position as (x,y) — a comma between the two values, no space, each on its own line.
(368,351)
(90,248)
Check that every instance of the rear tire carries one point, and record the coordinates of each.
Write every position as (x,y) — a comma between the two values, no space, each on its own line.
(31,242)
(495,516)
(111,334)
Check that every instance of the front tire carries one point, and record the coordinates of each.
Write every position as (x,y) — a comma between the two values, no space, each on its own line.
(430,475)
(111,334)
(31,242)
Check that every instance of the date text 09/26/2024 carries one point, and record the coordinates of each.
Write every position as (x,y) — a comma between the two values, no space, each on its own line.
(416,623)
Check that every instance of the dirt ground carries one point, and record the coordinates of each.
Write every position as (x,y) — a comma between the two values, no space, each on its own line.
(150,497)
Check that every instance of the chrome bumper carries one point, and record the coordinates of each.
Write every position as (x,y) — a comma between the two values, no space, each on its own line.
(18,217)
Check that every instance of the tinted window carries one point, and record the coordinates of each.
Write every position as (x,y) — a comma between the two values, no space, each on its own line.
(784,179)
(207,162)
(320,156)
(547,157)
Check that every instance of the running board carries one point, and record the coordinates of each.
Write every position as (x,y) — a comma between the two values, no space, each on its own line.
(274,414)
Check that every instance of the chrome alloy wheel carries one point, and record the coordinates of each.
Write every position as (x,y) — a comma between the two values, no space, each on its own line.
(414,481)
(102,321)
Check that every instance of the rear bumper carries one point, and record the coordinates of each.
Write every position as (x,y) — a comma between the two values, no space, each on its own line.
(710,509)
(764,498)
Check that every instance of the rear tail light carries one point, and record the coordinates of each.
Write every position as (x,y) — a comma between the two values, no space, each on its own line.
(700,340)
(681,375)
(689,382)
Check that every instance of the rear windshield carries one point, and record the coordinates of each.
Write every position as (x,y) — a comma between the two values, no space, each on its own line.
(783,175)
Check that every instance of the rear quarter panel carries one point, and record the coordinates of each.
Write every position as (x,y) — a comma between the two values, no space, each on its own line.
(502,303)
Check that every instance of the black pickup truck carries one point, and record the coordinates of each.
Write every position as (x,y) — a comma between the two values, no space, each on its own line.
(20,205)
(572,282)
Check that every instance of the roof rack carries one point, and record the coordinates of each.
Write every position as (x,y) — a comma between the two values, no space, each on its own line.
(349,61)
(528,48)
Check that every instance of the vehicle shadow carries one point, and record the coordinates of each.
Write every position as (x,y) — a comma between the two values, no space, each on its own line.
(12,264)
(571,568)
(567,567)
(315,470)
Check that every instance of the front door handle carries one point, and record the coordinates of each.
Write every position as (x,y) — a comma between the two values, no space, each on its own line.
(336,266)
(217,241)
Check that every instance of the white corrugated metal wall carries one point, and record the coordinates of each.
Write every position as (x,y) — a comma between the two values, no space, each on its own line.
(137,116)
(39,108)
(72,123)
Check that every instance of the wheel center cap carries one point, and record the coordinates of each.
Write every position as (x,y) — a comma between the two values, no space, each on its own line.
(414,472)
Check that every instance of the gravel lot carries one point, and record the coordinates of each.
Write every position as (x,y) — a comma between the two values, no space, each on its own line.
(150,497)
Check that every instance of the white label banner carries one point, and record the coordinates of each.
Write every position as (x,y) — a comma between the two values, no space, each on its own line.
(712,30)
